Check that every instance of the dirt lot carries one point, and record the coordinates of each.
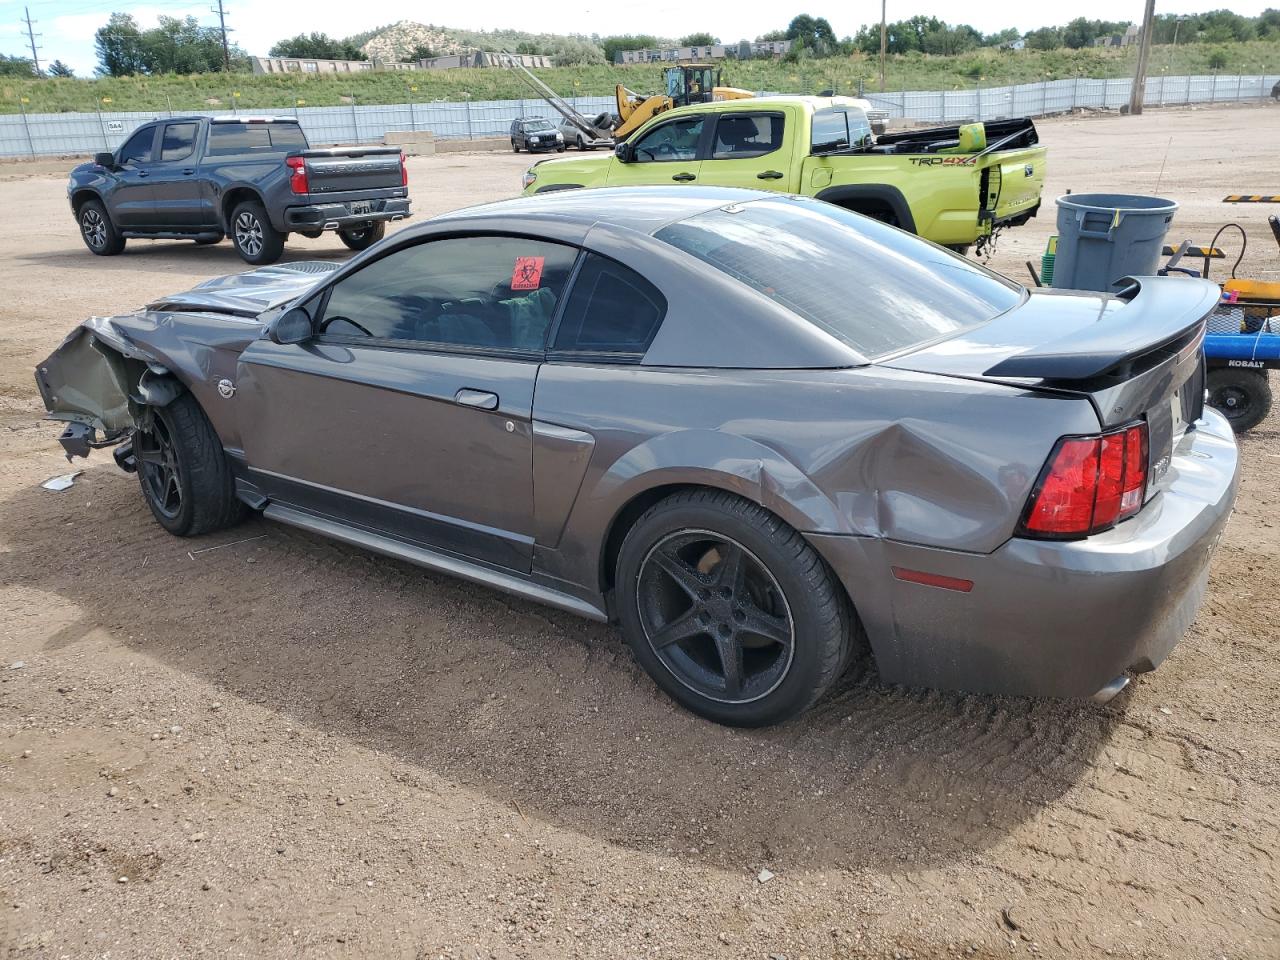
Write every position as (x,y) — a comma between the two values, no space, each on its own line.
(288,748)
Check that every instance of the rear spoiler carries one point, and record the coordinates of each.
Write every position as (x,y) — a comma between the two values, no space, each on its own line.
(1161,315)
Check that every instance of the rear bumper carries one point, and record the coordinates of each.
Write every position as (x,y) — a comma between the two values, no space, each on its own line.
(1048,618)
(333,216)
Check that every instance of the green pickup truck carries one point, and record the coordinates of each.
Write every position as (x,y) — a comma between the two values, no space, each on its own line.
(951,185)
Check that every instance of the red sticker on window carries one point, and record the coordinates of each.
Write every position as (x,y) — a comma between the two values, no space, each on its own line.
(527,274)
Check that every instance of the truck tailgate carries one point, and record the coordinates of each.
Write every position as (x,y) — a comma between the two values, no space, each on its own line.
(1012,181)
(353,170)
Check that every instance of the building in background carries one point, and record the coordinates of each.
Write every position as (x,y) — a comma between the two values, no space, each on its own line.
(744,50)
(1129,36)
(315,65)
(483,58)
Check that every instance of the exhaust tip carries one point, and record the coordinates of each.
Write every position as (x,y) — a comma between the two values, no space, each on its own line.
(1108,692)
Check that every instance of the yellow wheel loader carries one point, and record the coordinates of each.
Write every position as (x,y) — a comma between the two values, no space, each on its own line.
(687,83)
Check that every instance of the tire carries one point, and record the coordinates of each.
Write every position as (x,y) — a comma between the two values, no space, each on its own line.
(253,236)
(581,144)
(560,148)
(209,241)
(1242,396)
(514,147)
(97,231)
(667,582)
(960,248)
(365,237)
(183,471)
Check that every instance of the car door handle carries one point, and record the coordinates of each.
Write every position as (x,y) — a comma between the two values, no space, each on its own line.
(143,173)
(769,175)
(480,399)
(684,177)
(189,171)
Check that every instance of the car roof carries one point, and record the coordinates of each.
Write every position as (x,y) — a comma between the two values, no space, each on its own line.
(643,209)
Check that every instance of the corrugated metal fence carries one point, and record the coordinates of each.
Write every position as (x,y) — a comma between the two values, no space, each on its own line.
(79,133)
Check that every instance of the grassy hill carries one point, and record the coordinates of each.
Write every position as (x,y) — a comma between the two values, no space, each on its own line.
(911,72)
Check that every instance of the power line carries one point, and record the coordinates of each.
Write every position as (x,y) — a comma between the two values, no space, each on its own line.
(35,57)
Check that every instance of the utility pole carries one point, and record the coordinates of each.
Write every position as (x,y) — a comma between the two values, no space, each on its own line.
(884,41)
(35,57)
(1144,54)
(226,49)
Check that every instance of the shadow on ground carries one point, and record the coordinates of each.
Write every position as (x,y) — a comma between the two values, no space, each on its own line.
(538,709)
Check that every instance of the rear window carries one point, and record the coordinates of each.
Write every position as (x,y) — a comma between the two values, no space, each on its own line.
(878,289)
(839,130)
(229,138)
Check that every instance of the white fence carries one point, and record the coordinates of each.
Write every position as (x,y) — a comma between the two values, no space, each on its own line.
(47,134)
(1060,96)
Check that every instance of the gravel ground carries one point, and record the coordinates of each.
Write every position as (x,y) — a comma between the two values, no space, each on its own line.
(288,748)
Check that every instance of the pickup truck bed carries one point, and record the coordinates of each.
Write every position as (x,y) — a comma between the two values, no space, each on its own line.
(255,180)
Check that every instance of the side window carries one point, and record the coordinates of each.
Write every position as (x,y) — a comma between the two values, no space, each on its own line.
(179,141)
(478,293)
(743,135)
(677,140)
(138,147)
(612,313)
(830,131)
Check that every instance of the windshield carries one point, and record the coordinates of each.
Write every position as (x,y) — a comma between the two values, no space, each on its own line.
(878,289)
(533,125)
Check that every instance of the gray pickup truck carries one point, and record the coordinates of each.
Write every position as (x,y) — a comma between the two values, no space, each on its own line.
(253,179)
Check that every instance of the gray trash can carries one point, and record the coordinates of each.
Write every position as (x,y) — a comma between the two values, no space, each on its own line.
(1105,236)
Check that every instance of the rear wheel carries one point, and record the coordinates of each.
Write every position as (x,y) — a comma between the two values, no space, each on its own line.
(185,477)
(98,232)
(209,241)
(730,611)
(255,239)
(1242,396)
(515,148)
(365,237)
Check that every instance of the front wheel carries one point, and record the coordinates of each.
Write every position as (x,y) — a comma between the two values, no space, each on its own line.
(730,610)
(253,236)
(1242,396)
(365,237)
(185,477)
(98,232)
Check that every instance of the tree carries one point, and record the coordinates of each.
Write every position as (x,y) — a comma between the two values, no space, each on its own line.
(699,40)
(816,32)
(575,52)
(119,47)
(15,66)
(1000,39)
(423,52)
(1046,38)
(614,45)
(60,69)
(182,46)
(771,36)
(1218,60)
(319,46)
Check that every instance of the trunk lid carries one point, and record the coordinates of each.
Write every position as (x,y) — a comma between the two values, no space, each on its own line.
(353,169)
(1135,355)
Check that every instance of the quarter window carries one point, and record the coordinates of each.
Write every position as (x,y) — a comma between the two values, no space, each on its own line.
(179,141)
(138,147)
(476,293)
(741,136)
(677,140)
(612,312)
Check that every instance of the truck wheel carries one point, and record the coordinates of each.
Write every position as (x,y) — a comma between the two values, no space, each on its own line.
(184,473)
(729,610)
(97,230)
(514,147)
(365,237)
(255,239)
(209,241)
(1242,396)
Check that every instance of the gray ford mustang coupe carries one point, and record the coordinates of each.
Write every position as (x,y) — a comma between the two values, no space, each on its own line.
(763,434)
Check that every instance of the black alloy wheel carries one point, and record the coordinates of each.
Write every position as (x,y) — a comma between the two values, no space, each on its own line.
(158,469)
(715,616)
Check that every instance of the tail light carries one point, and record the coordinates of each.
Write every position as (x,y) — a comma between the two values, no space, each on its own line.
(404,172)
(298,178)
(1089,485)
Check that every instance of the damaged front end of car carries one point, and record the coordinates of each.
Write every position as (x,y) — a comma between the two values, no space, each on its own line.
(103,387)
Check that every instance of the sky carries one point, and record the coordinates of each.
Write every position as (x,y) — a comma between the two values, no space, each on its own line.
(66,27)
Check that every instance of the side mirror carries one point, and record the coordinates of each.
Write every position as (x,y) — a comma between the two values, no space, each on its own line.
(107,160)
(292,326)
(624,152)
